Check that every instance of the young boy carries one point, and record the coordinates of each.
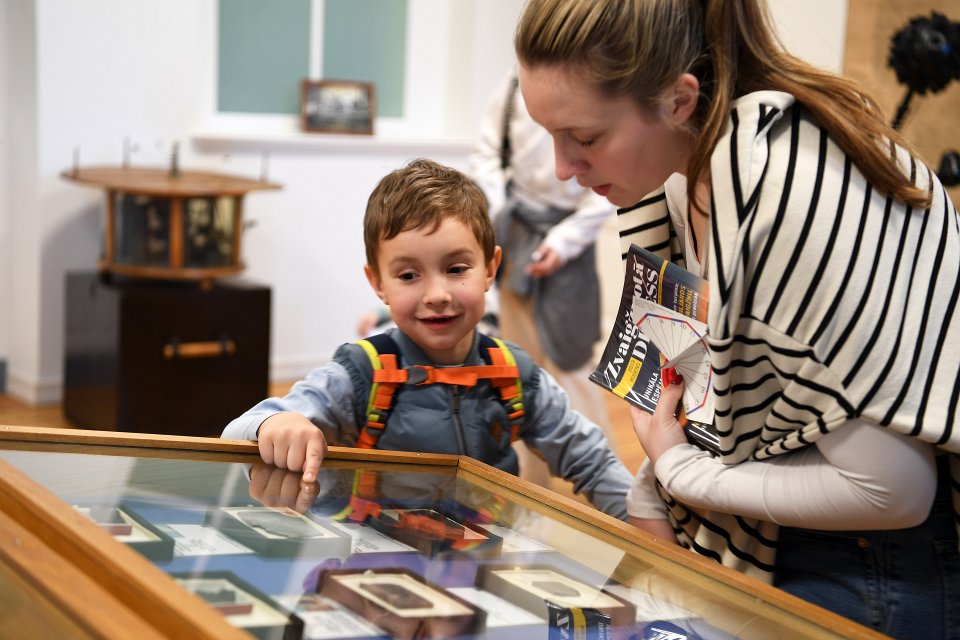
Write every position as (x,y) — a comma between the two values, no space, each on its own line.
(431,257)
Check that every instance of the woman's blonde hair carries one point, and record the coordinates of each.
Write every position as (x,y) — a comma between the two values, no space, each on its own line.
(640,47)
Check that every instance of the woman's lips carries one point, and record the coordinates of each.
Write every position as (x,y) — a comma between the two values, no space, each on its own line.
(602,190)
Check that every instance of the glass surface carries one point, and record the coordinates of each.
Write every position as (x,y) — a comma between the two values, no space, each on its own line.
(142,230)
(391,550)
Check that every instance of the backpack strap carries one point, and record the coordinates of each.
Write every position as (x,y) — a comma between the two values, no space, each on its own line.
(497,353)
(500,368)
(363,498)
(382,351)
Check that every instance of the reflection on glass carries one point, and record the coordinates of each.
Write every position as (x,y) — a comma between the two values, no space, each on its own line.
(541,552)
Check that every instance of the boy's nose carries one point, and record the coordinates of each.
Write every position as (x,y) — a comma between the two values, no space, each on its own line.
(437,291)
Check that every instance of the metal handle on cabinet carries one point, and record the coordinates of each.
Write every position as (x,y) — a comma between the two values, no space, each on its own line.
(204,349)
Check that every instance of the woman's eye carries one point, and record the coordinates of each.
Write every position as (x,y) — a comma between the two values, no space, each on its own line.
(584,141)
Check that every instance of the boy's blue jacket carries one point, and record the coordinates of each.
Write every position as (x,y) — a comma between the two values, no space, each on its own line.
(440,418)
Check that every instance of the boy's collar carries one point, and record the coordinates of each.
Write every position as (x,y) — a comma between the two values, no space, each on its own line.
(413,354)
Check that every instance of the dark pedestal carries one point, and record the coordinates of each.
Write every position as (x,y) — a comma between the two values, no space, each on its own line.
(164,357)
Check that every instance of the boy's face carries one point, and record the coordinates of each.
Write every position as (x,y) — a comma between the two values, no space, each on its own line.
(434,284)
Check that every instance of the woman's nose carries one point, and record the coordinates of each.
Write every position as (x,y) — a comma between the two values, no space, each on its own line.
(568,163)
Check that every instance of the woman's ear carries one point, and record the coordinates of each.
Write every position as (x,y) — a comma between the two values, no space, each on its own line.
(375,283)
(681,99)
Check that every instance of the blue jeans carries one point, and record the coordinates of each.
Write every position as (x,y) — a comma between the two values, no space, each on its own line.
(904,583)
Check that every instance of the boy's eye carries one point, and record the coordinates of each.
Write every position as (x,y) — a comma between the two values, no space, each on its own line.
(459,269)
(409,275)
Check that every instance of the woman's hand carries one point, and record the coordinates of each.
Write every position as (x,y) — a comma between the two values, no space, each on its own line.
(660,431)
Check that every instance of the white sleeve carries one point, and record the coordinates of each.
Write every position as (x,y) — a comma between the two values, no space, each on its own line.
(643,501)
(577,231)
(860,476)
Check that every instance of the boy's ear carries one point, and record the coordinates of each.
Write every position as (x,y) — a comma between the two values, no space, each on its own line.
(493,265)
(681,99)
(375,282)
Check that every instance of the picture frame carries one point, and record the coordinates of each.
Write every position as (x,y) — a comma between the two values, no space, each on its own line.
(337,106)
(532,587)
(281,532)
(434,531)
(243,605)
(129,527)
(401,602)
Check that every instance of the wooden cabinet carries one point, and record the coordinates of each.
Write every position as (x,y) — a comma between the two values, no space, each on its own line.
(164,357)
(93,580)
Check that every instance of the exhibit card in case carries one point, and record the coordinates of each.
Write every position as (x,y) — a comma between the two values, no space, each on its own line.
(129,527)
(326,619)
(630,363)
(243,605)
(535,587)
(431,531)
(281,532)
(401,602)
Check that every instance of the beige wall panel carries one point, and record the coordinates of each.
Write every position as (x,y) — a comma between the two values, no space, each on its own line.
(932,122)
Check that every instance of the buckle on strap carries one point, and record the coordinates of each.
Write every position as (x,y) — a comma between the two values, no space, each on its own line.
(419,374)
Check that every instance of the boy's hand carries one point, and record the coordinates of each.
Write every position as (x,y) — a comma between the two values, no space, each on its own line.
(281,489)
(660,431)
(289,441)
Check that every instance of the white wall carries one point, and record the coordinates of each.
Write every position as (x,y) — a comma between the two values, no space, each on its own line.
(89,74)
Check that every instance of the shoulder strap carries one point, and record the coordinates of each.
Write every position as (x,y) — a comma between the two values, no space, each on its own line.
(508,107)
(501,369)
(382,351)
(495,351)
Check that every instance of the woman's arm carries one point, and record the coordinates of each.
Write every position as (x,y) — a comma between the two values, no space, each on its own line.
(860,476)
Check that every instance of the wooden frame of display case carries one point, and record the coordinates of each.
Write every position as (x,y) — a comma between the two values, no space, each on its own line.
(63,561)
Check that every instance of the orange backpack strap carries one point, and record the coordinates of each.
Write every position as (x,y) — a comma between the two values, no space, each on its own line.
(500,369)
(510,388)
(382,351)
(363,498)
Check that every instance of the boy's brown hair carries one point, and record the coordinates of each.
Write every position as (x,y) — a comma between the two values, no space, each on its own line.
(421,195)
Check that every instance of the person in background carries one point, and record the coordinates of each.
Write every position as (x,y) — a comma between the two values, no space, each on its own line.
(431,257)
(547,229)
(832,253)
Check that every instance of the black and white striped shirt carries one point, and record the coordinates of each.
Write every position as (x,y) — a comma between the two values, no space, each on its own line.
(828,302)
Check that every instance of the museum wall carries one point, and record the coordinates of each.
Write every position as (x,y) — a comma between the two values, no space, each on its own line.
(931,123)
(84,76)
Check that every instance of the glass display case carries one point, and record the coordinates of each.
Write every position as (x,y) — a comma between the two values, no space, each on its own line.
(131,535)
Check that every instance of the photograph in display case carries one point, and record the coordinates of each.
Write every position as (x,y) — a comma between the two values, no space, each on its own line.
(243,605)
(535,587)
(337,106)
(131,528)
(431,531)
(280,532)
(401,602)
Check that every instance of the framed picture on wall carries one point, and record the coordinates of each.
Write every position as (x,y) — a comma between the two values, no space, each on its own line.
(337,106)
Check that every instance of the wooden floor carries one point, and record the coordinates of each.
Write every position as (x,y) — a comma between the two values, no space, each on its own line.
(14,412)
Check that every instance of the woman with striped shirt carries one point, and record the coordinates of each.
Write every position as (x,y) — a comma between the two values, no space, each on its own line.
(832,254)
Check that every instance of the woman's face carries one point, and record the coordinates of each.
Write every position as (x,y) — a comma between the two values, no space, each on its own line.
(609,144)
